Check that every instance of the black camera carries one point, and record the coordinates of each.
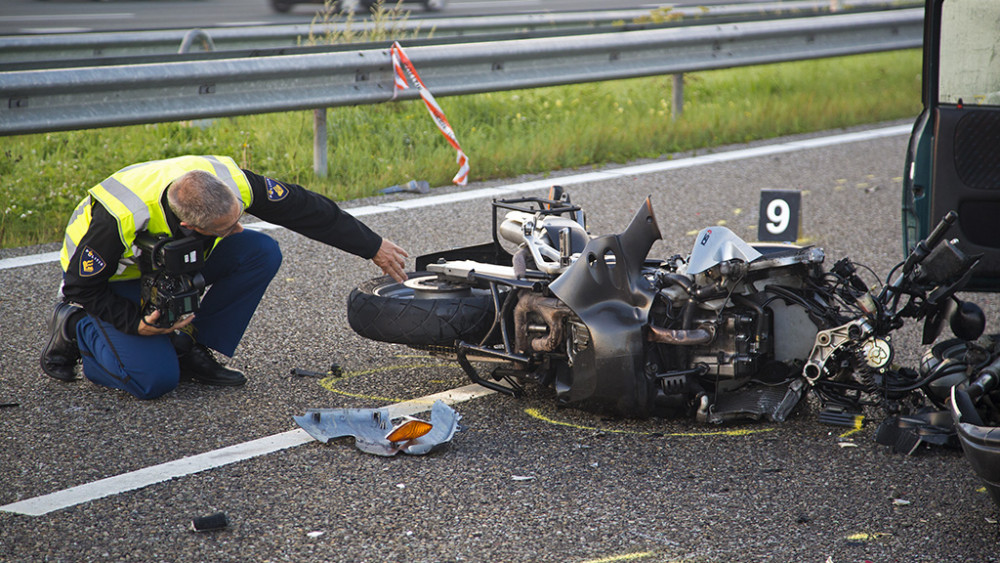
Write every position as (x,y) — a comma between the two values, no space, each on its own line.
(170,282)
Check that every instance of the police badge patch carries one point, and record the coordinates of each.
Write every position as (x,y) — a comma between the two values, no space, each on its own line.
(276,191)
(91,263)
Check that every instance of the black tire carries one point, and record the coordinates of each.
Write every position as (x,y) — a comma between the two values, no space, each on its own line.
(420,312)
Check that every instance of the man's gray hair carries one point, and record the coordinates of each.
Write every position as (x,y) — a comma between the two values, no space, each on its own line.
(199,198)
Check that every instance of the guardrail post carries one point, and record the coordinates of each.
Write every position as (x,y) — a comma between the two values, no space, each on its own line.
(677,101)
(190,39)
(319,142)
(198,35)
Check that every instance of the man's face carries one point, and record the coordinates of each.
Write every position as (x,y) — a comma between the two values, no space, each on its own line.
(224,226)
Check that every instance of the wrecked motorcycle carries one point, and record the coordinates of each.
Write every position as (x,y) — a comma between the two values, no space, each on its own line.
(731,330)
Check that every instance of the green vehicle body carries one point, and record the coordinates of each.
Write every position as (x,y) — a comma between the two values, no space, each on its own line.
(953,158)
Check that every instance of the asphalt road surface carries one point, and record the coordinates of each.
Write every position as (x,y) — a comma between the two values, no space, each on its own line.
(523,480)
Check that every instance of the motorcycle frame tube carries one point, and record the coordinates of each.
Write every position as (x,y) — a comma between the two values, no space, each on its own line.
(462,354)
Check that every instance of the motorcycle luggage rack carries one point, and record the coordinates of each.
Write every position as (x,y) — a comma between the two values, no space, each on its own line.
(513,388)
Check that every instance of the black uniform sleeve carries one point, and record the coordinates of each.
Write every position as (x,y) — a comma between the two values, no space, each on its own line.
(310,214)
(86,279)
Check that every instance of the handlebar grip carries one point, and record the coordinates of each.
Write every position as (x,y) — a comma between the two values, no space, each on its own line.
(937,235)
(924,247)
(987,380)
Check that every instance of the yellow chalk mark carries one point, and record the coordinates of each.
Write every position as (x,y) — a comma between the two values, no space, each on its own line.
(328,382)
(535,414)
(859,422)
(623,557)
(866,536)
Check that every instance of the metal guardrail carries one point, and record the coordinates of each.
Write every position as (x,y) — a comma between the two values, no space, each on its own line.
(63,99)
(25,52)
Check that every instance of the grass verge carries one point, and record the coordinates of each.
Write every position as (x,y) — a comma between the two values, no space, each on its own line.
(504,134)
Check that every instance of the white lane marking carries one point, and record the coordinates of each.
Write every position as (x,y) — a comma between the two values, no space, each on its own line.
(30,260)
(635,170)
(53,30)
(70,17)
(494,4)
(41,505)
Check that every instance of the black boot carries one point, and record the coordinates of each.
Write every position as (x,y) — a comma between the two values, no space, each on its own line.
(60,355)
(200,364)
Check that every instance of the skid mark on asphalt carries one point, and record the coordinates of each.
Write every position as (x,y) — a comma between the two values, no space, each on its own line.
(535,413)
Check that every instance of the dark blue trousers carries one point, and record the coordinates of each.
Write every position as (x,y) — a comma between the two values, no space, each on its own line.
(237,273)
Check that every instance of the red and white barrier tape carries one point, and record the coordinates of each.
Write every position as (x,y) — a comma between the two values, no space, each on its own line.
(402,69)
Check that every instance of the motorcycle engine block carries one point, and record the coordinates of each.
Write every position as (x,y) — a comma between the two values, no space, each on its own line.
(740,347)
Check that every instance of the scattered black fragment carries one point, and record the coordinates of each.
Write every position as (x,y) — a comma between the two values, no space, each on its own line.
(335,371)
(210,523)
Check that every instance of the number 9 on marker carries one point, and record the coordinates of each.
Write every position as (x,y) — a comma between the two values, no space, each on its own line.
(780,211)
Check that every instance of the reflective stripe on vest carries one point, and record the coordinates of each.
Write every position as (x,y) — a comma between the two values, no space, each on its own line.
(133,196)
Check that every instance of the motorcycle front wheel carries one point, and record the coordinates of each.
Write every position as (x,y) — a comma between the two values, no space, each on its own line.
(422,311)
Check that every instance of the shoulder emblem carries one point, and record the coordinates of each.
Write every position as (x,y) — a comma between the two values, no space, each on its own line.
(91,263)
(276,191)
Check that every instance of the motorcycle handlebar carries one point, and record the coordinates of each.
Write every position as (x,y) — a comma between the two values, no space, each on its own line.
(987,380)
(924,247)
(937,235)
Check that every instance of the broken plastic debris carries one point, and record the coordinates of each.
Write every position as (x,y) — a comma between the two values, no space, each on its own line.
(847,444)
(315,534)
(522,477)
(900,502)
(413,186)
(372,427)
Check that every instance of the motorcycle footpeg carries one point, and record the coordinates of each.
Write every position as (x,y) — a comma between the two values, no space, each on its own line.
(842,418)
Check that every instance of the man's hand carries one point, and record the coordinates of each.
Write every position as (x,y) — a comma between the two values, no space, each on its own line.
(392,259)
(147,325)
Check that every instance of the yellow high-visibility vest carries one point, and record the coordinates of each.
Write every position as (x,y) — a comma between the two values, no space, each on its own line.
(133,195)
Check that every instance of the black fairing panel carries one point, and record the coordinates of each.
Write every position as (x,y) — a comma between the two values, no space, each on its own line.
(489,253)
(981,445)
(607,291)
